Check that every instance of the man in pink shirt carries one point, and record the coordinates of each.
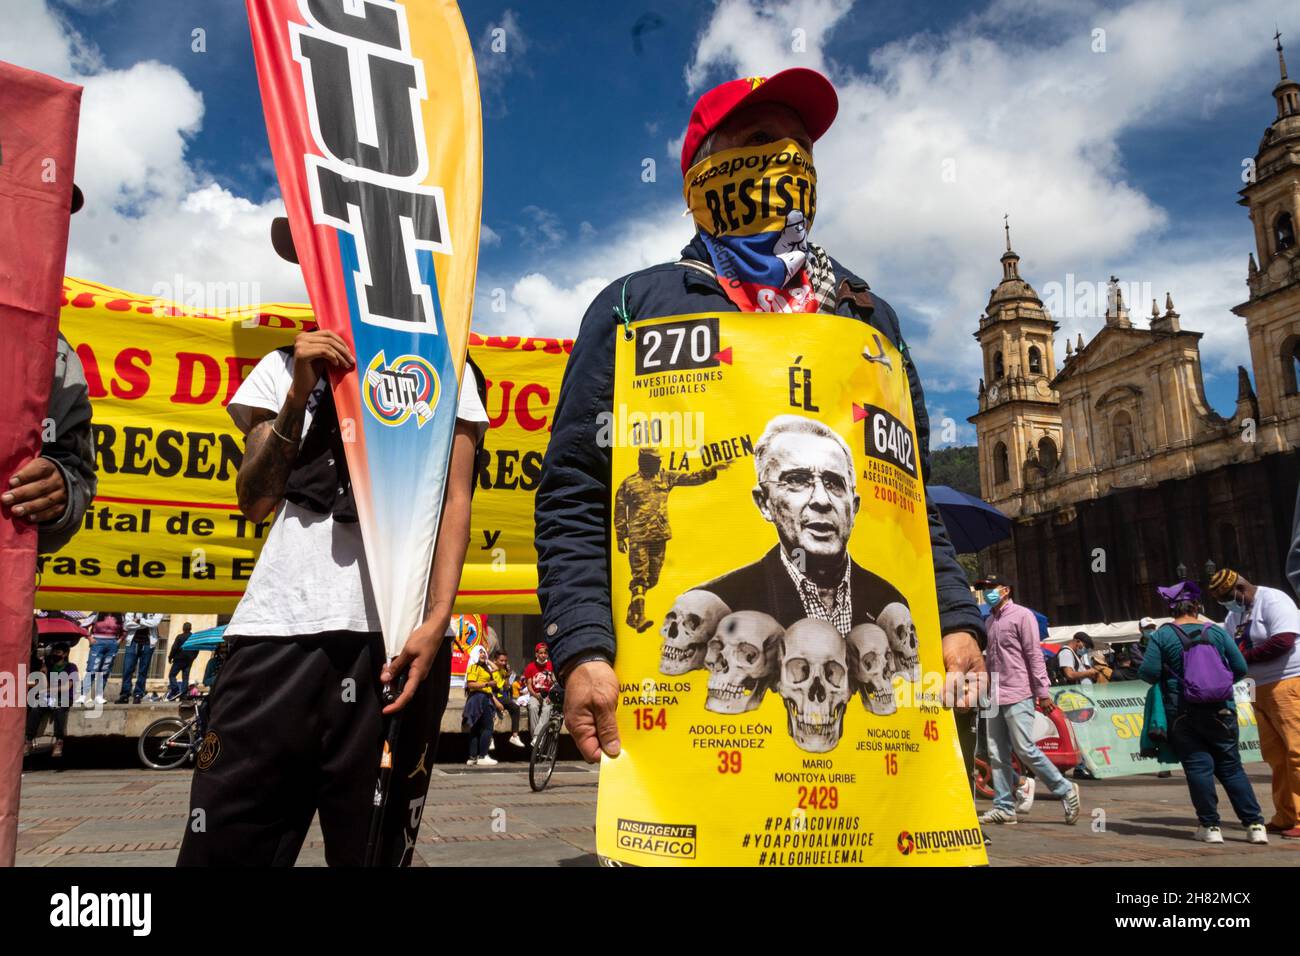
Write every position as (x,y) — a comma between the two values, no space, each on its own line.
(1015,661)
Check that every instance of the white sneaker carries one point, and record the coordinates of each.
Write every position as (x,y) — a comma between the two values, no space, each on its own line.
(515,741)
(487,762)
(1209,834)
(81,698)
(1256,833)
(1071,804)
(471,762)
(1025,795)
(998,815)
(99,698)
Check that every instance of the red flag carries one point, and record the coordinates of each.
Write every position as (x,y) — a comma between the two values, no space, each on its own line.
(38,143)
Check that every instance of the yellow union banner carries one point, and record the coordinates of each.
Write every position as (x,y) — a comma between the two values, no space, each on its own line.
(164,532)
(779,661)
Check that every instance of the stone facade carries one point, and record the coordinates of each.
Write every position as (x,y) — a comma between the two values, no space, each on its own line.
(1114,466)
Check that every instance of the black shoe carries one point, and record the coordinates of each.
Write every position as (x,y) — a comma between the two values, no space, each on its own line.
(137,700)
(122,700)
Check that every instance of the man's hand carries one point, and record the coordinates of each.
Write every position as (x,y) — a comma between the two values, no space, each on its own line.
(37,491)
(1045,705)
(313,354)
(418,654)
(590,697)
(964,663)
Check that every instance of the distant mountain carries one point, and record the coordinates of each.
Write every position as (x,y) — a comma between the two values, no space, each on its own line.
(957,468)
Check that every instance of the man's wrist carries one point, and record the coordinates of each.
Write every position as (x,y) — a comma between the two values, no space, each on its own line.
(586,657)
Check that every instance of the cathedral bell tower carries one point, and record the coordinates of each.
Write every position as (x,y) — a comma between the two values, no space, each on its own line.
(1272,313)
(1018,424)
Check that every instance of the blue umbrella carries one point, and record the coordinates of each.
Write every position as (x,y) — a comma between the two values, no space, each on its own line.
(205,640)
(972,524)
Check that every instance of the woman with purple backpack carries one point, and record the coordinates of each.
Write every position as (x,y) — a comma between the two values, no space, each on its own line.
(1196,664)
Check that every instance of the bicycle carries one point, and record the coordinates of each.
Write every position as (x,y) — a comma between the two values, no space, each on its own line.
(546,742)
(169,742)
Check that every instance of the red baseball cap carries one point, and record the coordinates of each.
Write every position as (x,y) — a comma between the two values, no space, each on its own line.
(805,91)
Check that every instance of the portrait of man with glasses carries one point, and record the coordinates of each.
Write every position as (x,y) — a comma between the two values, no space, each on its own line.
(807,488)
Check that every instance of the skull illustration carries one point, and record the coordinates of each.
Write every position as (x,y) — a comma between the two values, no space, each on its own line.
(687,629)
(896,620)
(814,681)
(741,659)
(869,661)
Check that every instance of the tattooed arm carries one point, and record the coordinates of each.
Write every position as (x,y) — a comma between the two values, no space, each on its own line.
(272,442)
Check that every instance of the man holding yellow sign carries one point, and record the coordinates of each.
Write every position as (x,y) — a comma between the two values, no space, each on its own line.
(755,345)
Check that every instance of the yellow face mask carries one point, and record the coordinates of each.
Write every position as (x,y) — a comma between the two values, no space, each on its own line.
(754,191)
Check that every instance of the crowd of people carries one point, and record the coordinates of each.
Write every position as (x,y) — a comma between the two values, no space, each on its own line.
(1194,665)
(56,685)
(307,623)
(494,691)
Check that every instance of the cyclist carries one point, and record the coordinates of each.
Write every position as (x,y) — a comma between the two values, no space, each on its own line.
(539,675)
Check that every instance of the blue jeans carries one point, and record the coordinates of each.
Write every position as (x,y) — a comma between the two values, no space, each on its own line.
(100,662)
(1205,739)
(1012,728)
(480,734)
(138,657)
(181,666)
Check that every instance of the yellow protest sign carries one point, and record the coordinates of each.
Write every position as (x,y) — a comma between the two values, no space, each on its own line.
(779,658)
(165,533)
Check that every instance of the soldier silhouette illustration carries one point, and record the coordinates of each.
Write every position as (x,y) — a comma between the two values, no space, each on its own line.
(641,523)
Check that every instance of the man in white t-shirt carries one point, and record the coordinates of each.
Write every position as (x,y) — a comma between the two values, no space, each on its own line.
(1264,622)
(1075,659)
(296,725)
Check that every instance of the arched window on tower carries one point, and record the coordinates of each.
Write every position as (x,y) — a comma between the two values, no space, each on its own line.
(1035,361)
(1000,467)
(1291,365)
(1283,232)
(998,369)
(1047,454)
(1121,430)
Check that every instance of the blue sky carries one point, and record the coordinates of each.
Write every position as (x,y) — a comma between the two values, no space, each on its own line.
(1124,159)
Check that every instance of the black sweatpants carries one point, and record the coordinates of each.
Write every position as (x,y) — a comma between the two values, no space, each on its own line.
(295,728)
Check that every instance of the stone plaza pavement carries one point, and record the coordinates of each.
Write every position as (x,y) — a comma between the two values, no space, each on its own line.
(134,817)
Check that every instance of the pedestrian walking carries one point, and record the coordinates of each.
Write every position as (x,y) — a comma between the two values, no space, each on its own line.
(1196,665)
(1019,680)
(1264,622)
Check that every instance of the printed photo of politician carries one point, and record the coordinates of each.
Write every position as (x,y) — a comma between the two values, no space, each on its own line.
(805,620)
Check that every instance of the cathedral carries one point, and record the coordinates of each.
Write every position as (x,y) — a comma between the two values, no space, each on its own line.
(1117,473)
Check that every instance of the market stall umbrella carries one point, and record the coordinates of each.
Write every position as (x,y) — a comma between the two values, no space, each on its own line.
(972,524)
(58,630)
(206,640)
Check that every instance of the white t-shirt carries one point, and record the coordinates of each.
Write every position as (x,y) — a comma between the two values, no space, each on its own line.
(1065,657)
(311,576)
(1272,613)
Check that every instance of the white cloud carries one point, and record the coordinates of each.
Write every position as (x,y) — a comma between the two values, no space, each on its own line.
(1014,107)
(552,302)
(149,215)
(948,131)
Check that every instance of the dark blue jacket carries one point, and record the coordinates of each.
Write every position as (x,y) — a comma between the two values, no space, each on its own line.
(573,496)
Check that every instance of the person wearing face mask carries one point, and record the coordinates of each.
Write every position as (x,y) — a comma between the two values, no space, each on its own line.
(1020,684)
(750,184)
(56,685)
(1264,622)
